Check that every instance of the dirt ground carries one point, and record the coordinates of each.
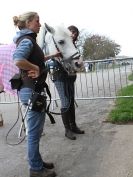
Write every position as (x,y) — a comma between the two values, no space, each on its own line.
(106,150)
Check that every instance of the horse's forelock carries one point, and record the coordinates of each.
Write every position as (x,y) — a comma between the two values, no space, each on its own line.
(61,31)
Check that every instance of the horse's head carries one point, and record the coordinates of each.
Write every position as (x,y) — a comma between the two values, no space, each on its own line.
(59,39)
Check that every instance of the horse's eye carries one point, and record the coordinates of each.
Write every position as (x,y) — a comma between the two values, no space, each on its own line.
(61,42)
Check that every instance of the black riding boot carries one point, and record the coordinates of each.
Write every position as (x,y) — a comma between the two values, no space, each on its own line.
(65,118)
(74,127)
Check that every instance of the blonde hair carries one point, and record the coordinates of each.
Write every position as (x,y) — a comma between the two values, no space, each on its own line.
(21,20)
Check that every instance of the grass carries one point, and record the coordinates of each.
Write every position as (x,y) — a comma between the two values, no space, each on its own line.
(130,77)
(123,110)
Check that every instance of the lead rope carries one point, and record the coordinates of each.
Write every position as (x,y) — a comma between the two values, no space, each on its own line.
(9,131)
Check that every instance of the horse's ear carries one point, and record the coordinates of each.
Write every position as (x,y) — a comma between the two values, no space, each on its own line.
(49,28)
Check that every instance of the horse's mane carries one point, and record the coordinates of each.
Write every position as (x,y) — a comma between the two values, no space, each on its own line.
(61,30)
(41,36)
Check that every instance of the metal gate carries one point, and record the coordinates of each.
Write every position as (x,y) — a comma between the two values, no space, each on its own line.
(100,81)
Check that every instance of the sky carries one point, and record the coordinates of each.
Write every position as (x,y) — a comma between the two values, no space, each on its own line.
(111,18)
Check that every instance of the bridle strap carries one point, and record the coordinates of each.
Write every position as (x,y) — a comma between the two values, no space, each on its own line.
(44,47)
(72,57)
(57,47)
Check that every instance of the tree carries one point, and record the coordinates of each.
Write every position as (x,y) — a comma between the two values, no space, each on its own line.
(99,47)
(83,35)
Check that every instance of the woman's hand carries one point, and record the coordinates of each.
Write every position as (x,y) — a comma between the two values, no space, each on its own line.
(32,69)
(58,54)
(34,73)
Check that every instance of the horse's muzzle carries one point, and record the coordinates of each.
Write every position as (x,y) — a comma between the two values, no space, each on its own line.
(73,57)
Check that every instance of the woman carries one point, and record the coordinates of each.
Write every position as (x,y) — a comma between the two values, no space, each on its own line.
(29,58)
(65,86)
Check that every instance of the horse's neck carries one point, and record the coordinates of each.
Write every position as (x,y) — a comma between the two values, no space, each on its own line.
(41,37)
(44,40)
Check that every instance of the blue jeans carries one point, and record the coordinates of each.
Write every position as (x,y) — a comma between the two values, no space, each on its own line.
(66,92)
(35,124)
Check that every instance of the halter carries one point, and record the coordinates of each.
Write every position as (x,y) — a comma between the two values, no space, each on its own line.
(72,57)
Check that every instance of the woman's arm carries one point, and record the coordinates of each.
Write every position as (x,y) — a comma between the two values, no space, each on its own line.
(25,65)
(33,70)
(20,56)
(47,57)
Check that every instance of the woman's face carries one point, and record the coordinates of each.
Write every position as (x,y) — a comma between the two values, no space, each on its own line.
(34,25)
(74,35)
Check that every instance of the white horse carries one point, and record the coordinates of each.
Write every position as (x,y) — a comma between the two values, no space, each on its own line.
(58,39)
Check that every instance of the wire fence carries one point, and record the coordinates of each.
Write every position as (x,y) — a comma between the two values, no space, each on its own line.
(105,79)
(100,79)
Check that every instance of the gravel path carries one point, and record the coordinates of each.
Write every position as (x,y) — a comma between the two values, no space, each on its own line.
(104,150)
